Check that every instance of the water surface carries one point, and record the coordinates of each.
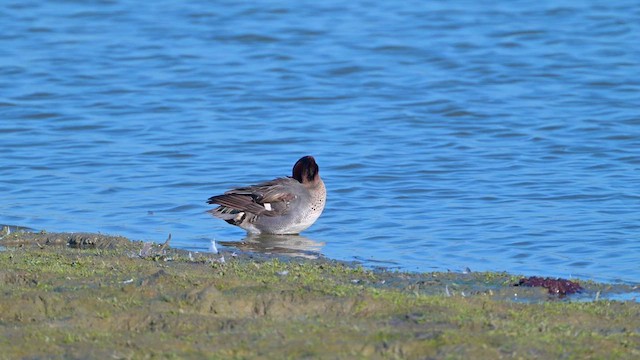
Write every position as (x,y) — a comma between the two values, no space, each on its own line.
(450,135)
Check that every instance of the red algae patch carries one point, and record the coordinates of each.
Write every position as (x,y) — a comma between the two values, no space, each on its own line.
(560,287)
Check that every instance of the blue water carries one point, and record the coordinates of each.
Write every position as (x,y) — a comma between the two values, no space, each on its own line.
(499,136)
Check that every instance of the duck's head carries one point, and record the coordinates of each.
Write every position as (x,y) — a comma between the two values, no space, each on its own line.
(306,170)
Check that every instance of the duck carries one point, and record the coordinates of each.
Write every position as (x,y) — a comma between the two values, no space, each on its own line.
(282,206)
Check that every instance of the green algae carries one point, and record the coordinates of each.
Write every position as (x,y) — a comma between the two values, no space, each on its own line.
(96,296)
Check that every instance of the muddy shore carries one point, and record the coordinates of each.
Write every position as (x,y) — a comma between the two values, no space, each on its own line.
(96,296)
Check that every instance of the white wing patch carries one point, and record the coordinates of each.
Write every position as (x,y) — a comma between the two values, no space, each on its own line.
(267,206)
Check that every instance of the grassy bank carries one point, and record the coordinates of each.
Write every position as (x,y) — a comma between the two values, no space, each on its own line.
(89,295)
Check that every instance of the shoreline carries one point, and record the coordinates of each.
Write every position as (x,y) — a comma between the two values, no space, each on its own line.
(75,295)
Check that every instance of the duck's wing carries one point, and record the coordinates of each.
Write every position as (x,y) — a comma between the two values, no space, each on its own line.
(271,198)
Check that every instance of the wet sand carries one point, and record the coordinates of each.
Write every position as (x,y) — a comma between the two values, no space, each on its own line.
(97,296)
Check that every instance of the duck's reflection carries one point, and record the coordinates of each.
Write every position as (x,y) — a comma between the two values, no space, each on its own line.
(290,245)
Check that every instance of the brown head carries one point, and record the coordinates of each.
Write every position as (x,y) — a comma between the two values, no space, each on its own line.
(306,170)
